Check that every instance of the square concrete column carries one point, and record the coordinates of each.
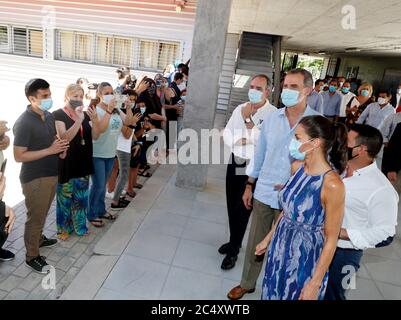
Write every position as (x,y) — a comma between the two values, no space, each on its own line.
(211,25)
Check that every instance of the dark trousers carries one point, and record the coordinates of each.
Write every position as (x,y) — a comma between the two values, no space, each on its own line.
(345,264)
(238,215)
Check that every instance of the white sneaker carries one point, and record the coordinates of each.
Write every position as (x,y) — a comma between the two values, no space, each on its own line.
(110,195)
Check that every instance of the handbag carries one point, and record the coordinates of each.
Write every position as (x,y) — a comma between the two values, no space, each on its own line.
(3,222)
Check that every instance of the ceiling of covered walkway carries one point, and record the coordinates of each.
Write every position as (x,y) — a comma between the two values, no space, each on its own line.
(315,26)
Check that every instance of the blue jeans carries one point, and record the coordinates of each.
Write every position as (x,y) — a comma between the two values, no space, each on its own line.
(97,193)
(350,259)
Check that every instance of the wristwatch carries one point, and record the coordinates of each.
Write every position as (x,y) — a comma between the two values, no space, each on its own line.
(248,120)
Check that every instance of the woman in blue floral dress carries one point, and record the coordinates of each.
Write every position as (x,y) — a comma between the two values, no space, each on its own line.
(304,239)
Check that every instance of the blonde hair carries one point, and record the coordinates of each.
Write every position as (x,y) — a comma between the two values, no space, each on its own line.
(72,88)
(366,84)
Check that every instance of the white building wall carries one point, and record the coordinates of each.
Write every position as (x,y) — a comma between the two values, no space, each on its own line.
(154,19)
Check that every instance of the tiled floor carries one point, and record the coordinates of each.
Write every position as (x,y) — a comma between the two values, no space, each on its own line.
(174,253)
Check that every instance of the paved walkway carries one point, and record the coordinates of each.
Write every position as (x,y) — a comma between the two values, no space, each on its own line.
(164,246)
(17,281)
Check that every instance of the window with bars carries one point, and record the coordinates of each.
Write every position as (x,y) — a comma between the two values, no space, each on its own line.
(4,44)
(157,54)
(115,50)
(21,41)
(74,46)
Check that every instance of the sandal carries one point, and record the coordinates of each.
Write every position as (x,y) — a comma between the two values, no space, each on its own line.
(97,223)
(145,174)
(138,186)
(131,194)
(109,216)
(63,236)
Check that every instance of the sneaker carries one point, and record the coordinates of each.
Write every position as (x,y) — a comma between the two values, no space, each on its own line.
(48,242)
(39,265)
(6,255)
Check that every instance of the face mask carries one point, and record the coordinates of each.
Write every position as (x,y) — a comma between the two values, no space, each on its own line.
(382,101)
(350,151)
(182,86)
(166,85)
(365,93)
(46,104)
(183,98)
(107,99)
(143,109)
(294,147)
(290,98)
(399,91)
(75,103)
(255,96)
(332,89)
(341,84)
(152,91)
(345,90)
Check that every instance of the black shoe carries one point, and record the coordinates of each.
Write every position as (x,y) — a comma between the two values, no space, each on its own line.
(225,248)
(123,200)
(39,265)
(229,262)
(121,205)
(48,242)
(6,255)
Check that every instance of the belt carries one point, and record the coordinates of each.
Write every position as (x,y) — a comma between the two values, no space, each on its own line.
(349,249)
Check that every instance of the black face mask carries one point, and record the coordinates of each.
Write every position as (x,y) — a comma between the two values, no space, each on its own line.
(350,150)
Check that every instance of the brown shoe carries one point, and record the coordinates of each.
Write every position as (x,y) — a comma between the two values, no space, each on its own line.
(238,292)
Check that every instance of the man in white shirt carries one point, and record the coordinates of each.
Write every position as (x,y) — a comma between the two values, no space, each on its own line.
(240,135)
(347,96)
(371,205)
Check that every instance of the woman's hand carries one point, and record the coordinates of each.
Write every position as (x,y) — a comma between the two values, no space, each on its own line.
(262,247)
(310,292)
(112,105)
(92,114)
(79,112)
(11,219)
(135,119)
(142,86)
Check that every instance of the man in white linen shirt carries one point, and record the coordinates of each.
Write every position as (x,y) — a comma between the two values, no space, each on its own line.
(371,205)
(240,135)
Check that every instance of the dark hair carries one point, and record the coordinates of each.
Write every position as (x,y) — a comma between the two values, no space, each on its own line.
(130,92)
(334,81)
(334,135)
(33,85)
(385,91)
(308,79)
(263,76)
(178,76)
(369,137)
(318,81)
(181,65)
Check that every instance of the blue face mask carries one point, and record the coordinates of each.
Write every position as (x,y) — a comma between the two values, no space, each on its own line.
(290,98)
(255,96)
(143,109)
(332,89)
(345,90)
(294,147)
(365,93)
(46,104)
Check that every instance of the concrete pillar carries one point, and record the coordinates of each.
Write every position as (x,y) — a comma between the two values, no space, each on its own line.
(277,68)
(211,25)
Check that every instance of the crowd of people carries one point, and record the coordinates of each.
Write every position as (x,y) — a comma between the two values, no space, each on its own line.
(312,184)
(95,142)
(318,176)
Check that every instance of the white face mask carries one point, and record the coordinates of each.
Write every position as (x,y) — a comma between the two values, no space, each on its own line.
(182,86)
(107,99)
(399,91)
(382,101)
